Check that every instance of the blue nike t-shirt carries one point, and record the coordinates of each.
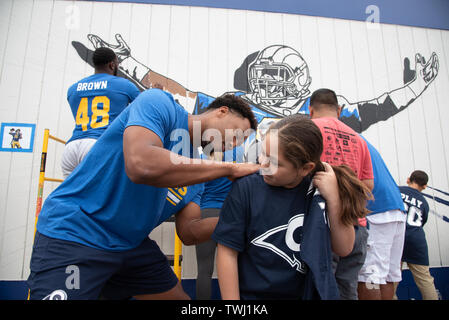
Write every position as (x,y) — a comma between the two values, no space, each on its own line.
(96,101)
(282,237)
(98,205)
(386,192)
(415,244)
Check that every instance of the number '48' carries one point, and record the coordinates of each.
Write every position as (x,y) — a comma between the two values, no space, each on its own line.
(82,114)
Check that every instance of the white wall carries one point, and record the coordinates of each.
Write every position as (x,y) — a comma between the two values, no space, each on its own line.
(200,48)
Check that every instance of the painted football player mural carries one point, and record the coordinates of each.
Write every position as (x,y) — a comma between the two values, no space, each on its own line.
(276,81)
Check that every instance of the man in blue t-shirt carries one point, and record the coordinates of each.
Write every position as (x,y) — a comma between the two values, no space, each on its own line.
(415,246)
(386,226)
(96,223)
(95,102)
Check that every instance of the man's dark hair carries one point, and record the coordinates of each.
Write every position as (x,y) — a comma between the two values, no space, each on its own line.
(323,97)
(103,56)
(419,177)
(236,105)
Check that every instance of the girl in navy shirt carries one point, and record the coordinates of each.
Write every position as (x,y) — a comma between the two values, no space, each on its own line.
(276,232)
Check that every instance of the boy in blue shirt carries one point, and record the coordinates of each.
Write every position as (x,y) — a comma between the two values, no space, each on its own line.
(95,102)
(99,218)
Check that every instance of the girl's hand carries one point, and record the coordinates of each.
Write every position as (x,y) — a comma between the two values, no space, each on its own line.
(327,184)
(342,235)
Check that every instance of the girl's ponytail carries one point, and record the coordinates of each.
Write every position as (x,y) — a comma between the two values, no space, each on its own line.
(354,195)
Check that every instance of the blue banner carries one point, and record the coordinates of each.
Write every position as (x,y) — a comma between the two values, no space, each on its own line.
(417,13)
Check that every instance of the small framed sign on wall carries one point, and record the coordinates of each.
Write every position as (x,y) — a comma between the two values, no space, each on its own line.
(17,137)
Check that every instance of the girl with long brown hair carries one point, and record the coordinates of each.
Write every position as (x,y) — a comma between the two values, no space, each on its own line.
(278,228)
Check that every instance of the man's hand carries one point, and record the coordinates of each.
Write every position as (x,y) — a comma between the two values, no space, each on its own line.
(243,169)
(121,49)
(425,73)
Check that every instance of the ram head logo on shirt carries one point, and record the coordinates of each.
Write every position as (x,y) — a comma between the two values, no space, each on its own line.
(285,241)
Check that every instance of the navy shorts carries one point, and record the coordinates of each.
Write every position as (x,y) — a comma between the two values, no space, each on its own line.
(67,270)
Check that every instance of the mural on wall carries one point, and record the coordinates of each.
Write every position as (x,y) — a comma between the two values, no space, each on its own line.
(276,81)
(387,78)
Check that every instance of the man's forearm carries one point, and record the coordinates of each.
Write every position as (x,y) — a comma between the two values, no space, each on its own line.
(148,162)
(133,68)
(188,171)
(167,169)
(198,231)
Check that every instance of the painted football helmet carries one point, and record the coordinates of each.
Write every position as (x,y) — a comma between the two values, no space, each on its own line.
(278,73)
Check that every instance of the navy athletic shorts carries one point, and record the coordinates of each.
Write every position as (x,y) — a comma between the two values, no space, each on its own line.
(67,270)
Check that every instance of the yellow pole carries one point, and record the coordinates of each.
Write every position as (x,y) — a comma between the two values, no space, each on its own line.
(178,252)
(40,189)
(43,178)
(53,179)
(57,139)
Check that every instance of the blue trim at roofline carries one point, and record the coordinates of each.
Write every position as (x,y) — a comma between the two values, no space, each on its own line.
(417,13)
